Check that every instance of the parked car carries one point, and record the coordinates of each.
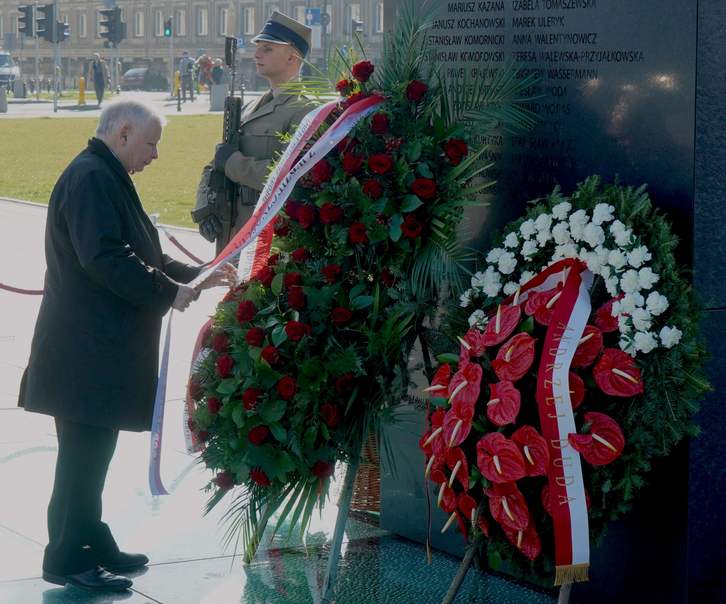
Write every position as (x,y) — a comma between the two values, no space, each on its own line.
(142,78)
(9,71)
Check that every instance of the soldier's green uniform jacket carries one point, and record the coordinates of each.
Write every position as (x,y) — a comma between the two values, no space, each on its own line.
(259,142)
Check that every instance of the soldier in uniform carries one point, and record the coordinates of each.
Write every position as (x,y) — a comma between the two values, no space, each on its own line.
(280,49)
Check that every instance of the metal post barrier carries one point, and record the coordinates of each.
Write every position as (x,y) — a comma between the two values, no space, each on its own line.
(3,100)
(81,91)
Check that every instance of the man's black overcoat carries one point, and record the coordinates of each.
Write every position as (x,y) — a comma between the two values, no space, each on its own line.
(94,357)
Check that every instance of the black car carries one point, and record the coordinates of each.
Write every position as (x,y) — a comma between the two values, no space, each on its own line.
(142,78)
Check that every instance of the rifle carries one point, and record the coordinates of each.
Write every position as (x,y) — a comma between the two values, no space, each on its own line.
(222,192)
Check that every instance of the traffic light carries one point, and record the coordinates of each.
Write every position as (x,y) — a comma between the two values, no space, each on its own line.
(115,28)
(45,21)
(357,26)
(167,28)
(25,20)
(62,32)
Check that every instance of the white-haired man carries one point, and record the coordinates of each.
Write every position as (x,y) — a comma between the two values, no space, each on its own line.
(93,361)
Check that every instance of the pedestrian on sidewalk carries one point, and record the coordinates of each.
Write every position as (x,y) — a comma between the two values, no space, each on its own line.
(98,74)
(94,356)
(186,72)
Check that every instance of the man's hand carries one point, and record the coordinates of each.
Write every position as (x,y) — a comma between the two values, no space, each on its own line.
(222,154)
(185,295)
(225,274)
(210,227)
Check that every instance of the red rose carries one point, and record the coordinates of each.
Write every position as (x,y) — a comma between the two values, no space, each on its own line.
(379,123)
(273,260)
(604,317)
(387,278)
(534,450)
(195,389)
(357,233)
(300,255)
(617,375)
(258,435)
(343,86)
(341,316)
(346,143)
(287,387)
(296,297)
(321,173)
(415,90)
(259,477)
(514,358)
(213,405)
(501,325)
(330,213)
(254,336)
(330,415)
(373,189)
(270,354)
(603,444)
(220,342)
(455,150)
(499,459)
(323,469)
(291,278)
(246,311)
(425,188)
(225,364)
(281,228)
(249,398)
(353,99)
(224,480)
(351,163)
(380,163)
(588,348)
(344,383)
(504,403)
(411,227)
(292,207)
(307,215)
(203,435)
(362,70)
(265,276)
(296,330)
(331,272)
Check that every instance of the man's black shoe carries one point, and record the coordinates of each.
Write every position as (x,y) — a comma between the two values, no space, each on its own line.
(95,579)
(123,562)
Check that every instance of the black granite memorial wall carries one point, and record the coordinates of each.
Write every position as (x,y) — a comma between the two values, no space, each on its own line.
(632,90)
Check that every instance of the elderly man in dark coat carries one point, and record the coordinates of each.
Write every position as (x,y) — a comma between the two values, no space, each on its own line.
(94,358)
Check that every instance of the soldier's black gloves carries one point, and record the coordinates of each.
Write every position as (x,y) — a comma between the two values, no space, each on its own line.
(210,227)
(222,155)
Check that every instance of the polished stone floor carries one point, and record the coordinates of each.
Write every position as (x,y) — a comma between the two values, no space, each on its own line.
(188,562)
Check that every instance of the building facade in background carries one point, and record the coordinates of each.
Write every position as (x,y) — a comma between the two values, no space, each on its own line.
(199,26)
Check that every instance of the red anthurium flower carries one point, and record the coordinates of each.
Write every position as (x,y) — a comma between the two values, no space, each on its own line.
(603,444)
(534,450)
(255,336)
(514,358)
(225,365)
(446,498)
(504,402)
(435,469)
(589,347)
(467,504)
(457,463)
(440,382)
(258,434)
(464,386)
(541,305)
(617,375)
(526,541)
(499,459)
(604,317)
(547,500)
(501,325)
(259,477)
(577,390)
(457,424)
(224,480)
(474,339)
(437,417)
(508,506)
(246,311)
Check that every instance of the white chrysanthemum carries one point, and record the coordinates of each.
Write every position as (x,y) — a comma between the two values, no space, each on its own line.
(617,308)
(477,281)
(656,303)
(511,240)
(492,289)
(510,287)
(569,250)
(465,298)
(527,228)
(561,210)
(593,261)
(529,247)
(624,238)
(617,259)
(611,285)
(543,222)
(605,271)
(644,341)
(507,263)
(525,276)
(561,233)
(543,237)
(647,278)
(593,235)
(617,227)
(478,319)
(631,301)
(626,345)
(492,282)
(670,336)
(638,255)
(624,324)
(629,281)
(493,255)
(642,319)
(603,212)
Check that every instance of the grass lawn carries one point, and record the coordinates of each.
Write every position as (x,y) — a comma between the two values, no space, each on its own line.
(34,152)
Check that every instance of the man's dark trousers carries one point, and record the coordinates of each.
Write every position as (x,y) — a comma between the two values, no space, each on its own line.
(78,540)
